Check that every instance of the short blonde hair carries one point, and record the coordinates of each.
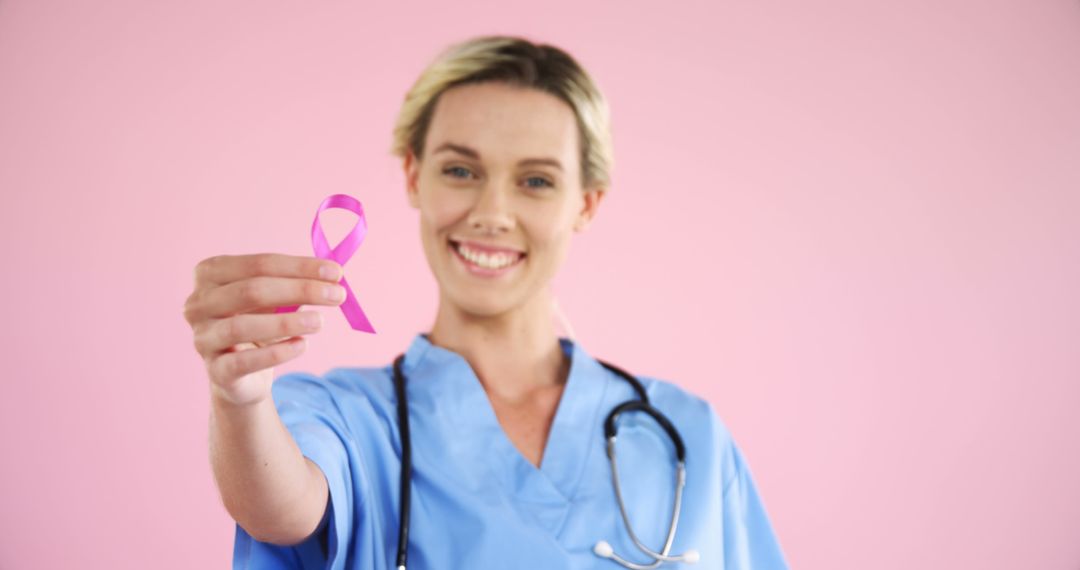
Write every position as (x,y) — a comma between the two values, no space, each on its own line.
(519,62)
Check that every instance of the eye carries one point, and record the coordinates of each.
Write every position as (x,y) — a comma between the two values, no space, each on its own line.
(544,182)
(455,169)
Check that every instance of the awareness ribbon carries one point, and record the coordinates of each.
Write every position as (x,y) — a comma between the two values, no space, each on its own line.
(341,253)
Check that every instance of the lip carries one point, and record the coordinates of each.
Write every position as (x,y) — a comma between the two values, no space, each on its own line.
(484,271)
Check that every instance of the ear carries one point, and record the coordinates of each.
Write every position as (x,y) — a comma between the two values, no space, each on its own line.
(412,174)
(593,196)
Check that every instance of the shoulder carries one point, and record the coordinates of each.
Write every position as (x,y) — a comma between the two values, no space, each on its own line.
(702,429)
(691,407)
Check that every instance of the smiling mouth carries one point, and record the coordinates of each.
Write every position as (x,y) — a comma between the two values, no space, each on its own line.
(483,262)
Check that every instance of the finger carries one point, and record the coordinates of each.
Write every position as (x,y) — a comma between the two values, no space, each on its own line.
(229,366)
(261,295)
(222,269)
(260,344)
(262,330)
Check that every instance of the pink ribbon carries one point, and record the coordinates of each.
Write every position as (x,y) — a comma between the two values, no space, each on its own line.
(341,253)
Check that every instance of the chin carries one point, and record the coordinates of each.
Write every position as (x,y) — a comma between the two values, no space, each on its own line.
(480,305)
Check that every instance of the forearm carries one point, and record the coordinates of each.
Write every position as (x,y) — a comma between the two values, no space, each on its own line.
(275,493)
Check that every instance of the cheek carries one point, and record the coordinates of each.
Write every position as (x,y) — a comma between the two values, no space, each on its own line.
(549,227)
(441,212)
(550,241)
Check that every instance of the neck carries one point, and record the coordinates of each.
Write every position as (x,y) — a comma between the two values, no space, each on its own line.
(513,354)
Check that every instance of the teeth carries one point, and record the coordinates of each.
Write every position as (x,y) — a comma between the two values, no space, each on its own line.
(493,261)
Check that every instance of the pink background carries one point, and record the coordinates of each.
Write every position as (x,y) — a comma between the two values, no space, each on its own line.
(853,226)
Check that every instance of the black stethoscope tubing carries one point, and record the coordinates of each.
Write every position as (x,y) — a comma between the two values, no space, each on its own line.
(641,404)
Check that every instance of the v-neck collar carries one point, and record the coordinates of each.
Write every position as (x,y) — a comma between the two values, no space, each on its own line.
(441,382)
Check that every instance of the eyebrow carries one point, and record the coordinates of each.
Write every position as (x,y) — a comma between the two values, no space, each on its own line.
(472,153)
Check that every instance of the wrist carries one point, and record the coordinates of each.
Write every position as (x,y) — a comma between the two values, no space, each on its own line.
(225,401)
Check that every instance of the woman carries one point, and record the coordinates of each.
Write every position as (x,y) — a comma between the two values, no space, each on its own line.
(506,151)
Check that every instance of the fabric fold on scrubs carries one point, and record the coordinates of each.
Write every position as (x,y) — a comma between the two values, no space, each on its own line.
(751,544)
(477,502)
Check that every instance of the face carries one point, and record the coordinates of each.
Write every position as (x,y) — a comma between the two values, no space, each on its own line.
(499,193)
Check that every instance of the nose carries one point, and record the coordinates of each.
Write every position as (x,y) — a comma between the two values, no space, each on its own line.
(491,213)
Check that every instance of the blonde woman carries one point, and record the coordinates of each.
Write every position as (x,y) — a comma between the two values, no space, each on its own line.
(492,441)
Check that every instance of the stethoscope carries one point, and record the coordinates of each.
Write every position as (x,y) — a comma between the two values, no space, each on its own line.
(602,548)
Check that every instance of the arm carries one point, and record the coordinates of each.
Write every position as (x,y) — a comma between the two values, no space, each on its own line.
(275,493)
(750,541)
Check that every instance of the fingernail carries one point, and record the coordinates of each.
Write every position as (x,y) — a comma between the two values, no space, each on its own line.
(335,293)
(311,321)
(330,272)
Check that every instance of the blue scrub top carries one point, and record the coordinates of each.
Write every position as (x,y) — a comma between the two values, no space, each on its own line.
(478,503)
